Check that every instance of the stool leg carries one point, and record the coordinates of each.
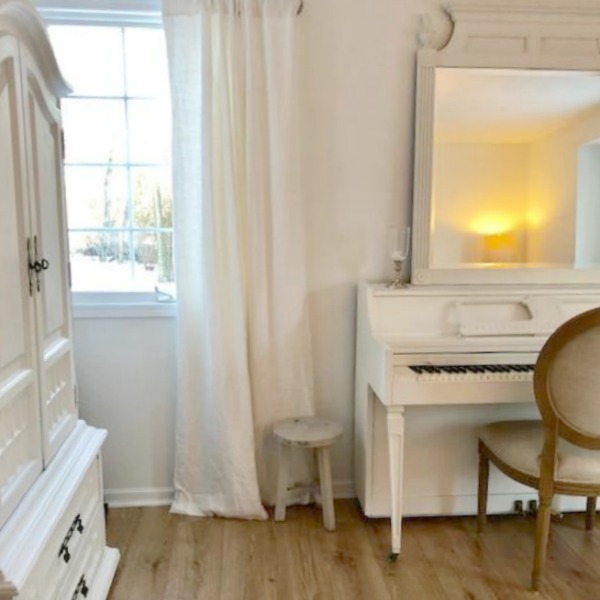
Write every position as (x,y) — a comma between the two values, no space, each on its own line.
(326,488)
(282,481)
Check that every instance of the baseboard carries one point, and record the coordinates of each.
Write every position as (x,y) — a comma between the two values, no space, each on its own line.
(465,504)
(124,498)
(343,489)
(461,504)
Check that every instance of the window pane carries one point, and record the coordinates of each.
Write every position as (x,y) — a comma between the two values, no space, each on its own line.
(96,197)
(90,58)
(152,203)
(149,125)
(117,146)
(100,261)
(95,131)
(145,62)
(154,257)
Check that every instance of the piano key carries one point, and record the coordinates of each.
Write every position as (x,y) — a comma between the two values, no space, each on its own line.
(467,371)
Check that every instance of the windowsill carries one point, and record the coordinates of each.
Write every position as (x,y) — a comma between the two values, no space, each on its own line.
(109,305)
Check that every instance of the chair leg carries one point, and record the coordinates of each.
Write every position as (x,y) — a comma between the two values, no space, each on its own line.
(590,513)
(282,482)
(541,540)
(482,491)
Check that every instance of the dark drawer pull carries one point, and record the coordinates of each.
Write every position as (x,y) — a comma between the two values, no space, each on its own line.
(64,552)
(77,524)
(82,588)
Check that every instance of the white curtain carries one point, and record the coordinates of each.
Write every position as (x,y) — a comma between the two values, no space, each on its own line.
(243,338)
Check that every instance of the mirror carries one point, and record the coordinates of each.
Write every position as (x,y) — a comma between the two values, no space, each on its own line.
(516,169)
(507,147)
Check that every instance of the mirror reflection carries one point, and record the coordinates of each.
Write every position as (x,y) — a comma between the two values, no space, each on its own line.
(516,169)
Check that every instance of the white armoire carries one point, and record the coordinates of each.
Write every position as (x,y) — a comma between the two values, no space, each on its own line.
(52,531)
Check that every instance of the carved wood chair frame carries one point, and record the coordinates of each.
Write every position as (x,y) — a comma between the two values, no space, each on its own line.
(555,427)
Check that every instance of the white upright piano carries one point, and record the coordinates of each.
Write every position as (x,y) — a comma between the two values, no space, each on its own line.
(439,347)
(506,237)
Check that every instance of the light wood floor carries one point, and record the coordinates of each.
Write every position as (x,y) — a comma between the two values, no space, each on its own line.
(170,557)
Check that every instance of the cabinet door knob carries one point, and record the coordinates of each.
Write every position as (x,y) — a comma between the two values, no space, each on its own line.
(35,265)
(39,265)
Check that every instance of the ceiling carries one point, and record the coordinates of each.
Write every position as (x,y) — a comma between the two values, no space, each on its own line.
(510,105)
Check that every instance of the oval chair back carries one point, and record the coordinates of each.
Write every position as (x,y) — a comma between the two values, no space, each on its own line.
(567,380)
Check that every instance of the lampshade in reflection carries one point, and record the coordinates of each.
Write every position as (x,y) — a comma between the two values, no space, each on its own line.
(500,247)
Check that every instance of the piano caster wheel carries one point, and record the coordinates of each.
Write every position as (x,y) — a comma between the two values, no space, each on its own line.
(392,557)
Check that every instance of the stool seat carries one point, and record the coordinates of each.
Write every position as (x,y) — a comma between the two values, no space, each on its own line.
(312,433)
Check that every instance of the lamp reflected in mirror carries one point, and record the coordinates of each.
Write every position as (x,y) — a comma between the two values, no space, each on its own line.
(500,247)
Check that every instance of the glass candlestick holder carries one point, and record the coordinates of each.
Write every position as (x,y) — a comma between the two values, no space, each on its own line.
(397,282)
(399,246)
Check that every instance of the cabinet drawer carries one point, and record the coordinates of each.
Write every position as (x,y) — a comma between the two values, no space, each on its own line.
(79,583)
(67,538)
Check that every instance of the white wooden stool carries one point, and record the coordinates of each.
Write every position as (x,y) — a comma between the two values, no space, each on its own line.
(307,432)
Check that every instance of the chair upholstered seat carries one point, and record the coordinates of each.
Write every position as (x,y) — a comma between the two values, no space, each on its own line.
(519,444)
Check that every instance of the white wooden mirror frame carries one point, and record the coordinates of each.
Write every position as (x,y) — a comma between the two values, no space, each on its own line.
(523,34)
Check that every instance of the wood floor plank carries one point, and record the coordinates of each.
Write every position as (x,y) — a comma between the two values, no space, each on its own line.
(410,576)
(456,563)
(249,566)
(298,576)
(346,566)
(571,529)
(195,565)
(143,570)
(172,557)
(504,555)
(121,526)
(567,573)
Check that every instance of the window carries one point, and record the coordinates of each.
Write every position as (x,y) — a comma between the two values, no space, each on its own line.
(117,152)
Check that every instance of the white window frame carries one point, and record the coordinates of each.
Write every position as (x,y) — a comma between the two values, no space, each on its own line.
(117,13)
(123,13)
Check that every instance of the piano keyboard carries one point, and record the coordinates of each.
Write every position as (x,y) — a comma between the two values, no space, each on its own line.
(508,372)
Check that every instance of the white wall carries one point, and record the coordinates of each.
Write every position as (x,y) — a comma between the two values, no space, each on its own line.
(357,60)
(587,248)
(357,84)
(126,374)
(553,194)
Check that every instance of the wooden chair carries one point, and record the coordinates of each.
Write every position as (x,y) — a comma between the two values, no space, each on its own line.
(555,455)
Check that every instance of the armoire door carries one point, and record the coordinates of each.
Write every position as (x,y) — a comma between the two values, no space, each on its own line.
(49,243)
(20,438)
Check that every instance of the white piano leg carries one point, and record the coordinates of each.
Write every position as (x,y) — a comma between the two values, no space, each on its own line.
(395,428)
